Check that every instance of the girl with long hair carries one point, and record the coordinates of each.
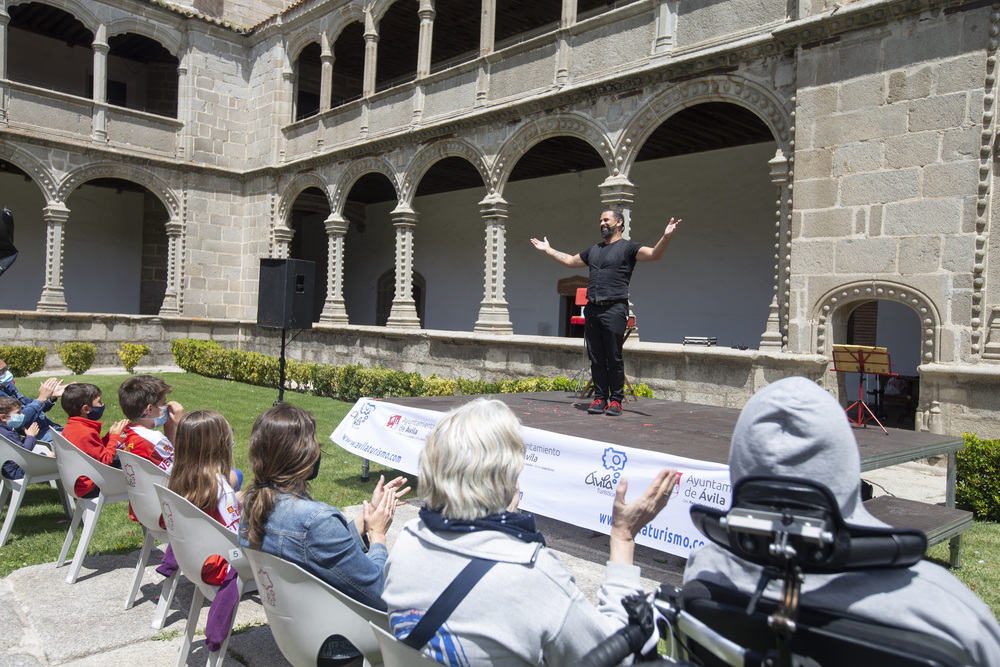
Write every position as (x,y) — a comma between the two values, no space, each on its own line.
(280,518)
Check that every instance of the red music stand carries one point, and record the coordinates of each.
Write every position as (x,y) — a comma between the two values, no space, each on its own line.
(866,360)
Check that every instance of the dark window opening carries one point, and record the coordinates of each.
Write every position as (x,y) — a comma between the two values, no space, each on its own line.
(397,46)
(308,68)
(348,65)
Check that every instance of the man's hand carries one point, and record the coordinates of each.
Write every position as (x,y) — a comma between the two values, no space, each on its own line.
(542,245)
(671,227)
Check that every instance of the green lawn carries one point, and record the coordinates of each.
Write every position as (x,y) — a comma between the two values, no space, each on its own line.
(41,526)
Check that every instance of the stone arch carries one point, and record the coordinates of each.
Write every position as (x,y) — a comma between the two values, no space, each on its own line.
(558,125)
(301,40)
(169,40)
(79,9)
(380,7)
(355,171)
(428,156)
(296,187)
(150,181)
(34,167)
(341,18)
(732,89)
(835,300)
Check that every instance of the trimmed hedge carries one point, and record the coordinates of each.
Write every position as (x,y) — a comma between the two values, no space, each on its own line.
(977,487)
(23,359)
(130,354)
(347,383)
(78,357)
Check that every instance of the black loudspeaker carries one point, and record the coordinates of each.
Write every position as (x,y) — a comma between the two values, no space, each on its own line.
(285,299)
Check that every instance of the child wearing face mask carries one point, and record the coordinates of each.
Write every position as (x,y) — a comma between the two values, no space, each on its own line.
(83,404)
(11,418)
(34,409)
(143,399)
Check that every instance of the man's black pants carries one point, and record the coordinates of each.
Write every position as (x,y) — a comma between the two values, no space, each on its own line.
(604,329)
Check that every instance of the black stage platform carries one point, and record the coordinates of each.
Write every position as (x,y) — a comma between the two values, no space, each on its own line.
(698,432)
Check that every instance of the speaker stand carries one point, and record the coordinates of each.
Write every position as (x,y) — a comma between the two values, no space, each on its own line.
(281,371)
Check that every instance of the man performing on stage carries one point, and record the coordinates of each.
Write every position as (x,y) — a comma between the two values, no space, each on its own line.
(606,312)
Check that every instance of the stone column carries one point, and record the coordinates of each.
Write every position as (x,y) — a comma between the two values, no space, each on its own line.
(171,296)
(4,89)
(371,54)
(775,335)
(184,104)
(326,73)
(404,309)
(666,26)
(53,296)
(101,49)
(564,56)
(287,106)
(426,39)
(493,314)
(487,37)
(282,239)
(334,311)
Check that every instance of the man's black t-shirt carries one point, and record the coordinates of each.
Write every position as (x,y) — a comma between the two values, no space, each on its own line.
(611,268)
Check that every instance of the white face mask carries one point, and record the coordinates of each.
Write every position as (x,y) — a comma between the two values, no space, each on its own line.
(162,419)
(6,378)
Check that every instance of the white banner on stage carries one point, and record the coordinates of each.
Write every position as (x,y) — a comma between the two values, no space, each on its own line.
(565,478)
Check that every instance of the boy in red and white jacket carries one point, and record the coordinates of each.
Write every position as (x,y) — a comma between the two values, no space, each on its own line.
(143,399)
(85,407)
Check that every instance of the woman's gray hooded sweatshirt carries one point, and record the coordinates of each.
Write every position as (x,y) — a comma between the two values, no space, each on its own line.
(794,428)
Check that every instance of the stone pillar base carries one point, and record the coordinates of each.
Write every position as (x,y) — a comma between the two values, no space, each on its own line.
(494,319)
(403,316)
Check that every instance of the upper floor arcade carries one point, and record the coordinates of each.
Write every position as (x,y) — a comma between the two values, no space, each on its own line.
(166,82)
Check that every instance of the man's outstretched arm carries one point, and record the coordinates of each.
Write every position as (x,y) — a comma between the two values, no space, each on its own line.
(573,262)
(647,254)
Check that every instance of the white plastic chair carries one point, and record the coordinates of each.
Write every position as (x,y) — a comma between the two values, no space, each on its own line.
(194,536)
(37,468)
(140,476)
(72,463)
(397,654)
(304,610)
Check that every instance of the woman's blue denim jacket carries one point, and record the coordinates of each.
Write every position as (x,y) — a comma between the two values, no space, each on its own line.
(319,538)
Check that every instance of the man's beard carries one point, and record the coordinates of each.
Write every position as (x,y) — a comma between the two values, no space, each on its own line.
(607,232)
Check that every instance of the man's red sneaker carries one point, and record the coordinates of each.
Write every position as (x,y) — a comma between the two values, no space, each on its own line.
(614,409)
(597,407)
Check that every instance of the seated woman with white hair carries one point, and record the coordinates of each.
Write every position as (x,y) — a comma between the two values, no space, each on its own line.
(525,609)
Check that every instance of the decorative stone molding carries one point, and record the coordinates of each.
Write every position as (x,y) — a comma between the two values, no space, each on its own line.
(776,113)
(297,186)
(536,130)
(428,156)
(32,166)
(869,290)
(105,170)
(356,170)
(984,197)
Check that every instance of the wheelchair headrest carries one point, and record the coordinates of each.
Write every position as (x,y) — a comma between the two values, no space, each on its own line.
(774,519)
